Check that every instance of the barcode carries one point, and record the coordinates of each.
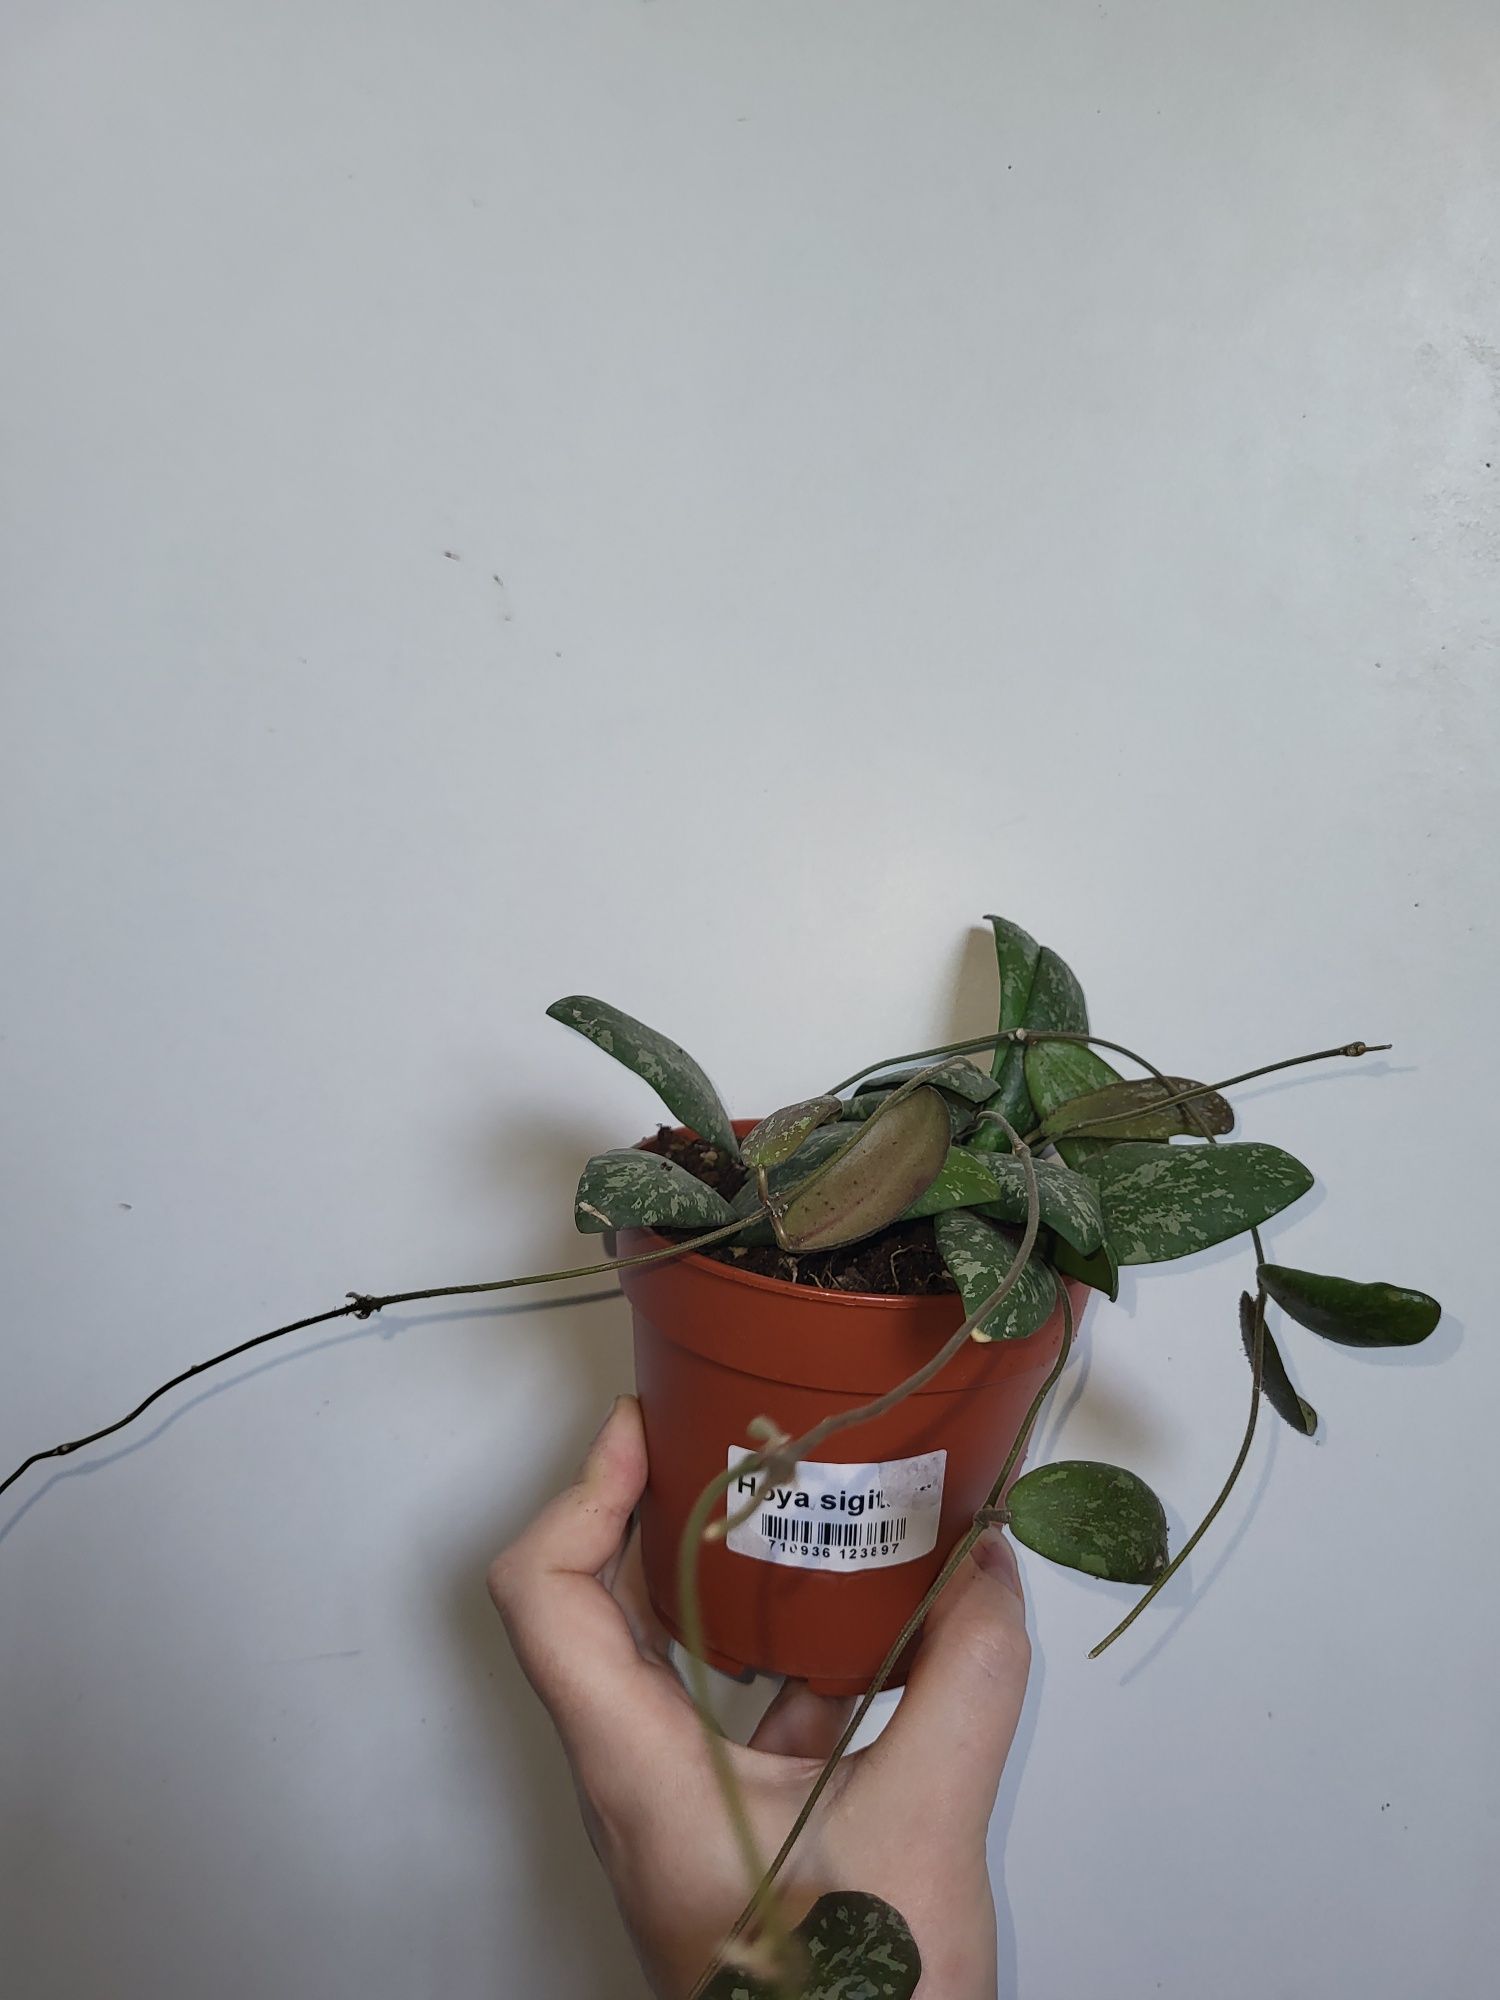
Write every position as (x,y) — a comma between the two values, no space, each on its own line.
(887,1534)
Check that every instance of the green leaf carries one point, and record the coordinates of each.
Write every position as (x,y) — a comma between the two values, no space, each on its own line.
(1099,1271)
(1167,1201)
(630,1189)
(1068,1202)
(778,1136)
(978,1255)
(1355,1315)
(1275,1383)
(964,1078)
(677,1080)
(1016,955)
(1140,1109)
(1056,1074)
(890,1160)
(1096,1518)
(856,1947)
(996,1184)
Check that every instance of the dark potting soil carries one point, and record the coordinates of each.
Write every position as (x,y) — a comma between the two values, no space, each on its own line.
(903,1258)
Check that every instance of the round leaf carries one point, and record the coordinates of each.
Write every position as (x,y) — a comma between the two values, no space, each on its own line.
(856,1947)
(1096,1518)
(978,1255)
(1355,1315)
(890,1160)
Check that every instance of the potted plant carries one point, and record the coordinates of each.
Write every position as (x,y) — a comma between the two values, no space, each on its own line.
(848,1314)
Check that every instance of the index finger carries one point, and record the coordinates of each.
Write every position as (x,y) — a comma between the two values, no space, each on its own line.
(571,1637)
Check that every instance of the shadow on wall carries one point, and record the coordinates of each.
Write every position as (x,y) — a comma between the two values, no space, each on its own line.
(571,1907)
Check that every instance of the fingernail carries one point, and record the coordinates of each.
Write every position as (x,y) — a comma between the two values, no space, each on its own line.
(995,1556)
(615,1403)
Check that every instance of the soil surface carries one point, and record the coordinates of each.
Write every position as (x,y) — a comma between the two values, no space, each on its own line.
(903,1258)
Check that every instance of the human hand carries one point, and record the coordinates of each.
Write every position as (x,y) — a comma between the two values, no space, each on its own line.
(904,1819)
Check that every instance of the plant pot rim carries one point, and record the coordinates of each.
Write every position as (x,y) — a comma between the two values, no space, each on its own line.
(716,1267)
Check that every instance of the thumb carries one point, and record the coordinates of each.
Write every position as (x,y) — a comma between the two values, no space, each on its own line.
(947,1743)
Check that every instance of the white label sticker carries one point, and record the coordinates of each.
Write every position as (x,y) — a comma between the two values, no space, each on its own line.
(841,1517)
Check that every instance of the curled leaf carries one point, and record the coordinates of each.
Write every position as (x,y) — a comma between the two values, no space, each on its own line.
(889,1162)
(1163,1201)
(777,1136)
(1092,1517)
(631,1189)
(1355,1315)
(1275,1383)
(979,1254)
(1141,1109)
(677,1080)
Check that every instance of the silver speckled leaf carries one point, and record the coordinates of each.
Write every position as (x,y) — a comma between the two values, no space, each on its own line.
(856,1946)
(1165,1201)
(1069,1203)
(964,1078)
(978,1255)
(1092,1517)
(672,1073)
(630,1189)
(778,1135)
(1056,1002)
(1016,955)
(1056,1073)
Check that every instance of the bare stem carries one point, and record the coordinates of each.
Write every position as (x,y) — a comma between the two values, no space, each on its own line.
(1228,1083)
(361,1305)
(1257,1358)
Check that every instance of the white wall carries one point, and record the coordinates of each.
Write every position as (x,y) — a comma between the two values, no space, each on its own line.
(699,502)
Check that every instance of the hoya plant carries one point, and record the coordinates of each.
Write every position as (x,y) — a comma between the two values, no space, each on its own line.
(1023,1158)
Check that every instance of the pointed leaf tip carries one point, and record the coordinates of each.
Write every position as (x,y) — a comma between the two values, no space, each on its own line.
(1276,1384)
(672,1073)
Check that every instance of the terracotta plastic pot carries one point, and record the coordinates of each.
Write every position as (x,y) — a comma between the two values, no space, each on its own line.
(822,1580)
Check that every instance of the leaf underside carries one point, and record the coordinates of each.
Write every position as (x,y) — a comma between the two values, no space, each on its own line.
(1276,1384)
(889,1162)
(1141,1109)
